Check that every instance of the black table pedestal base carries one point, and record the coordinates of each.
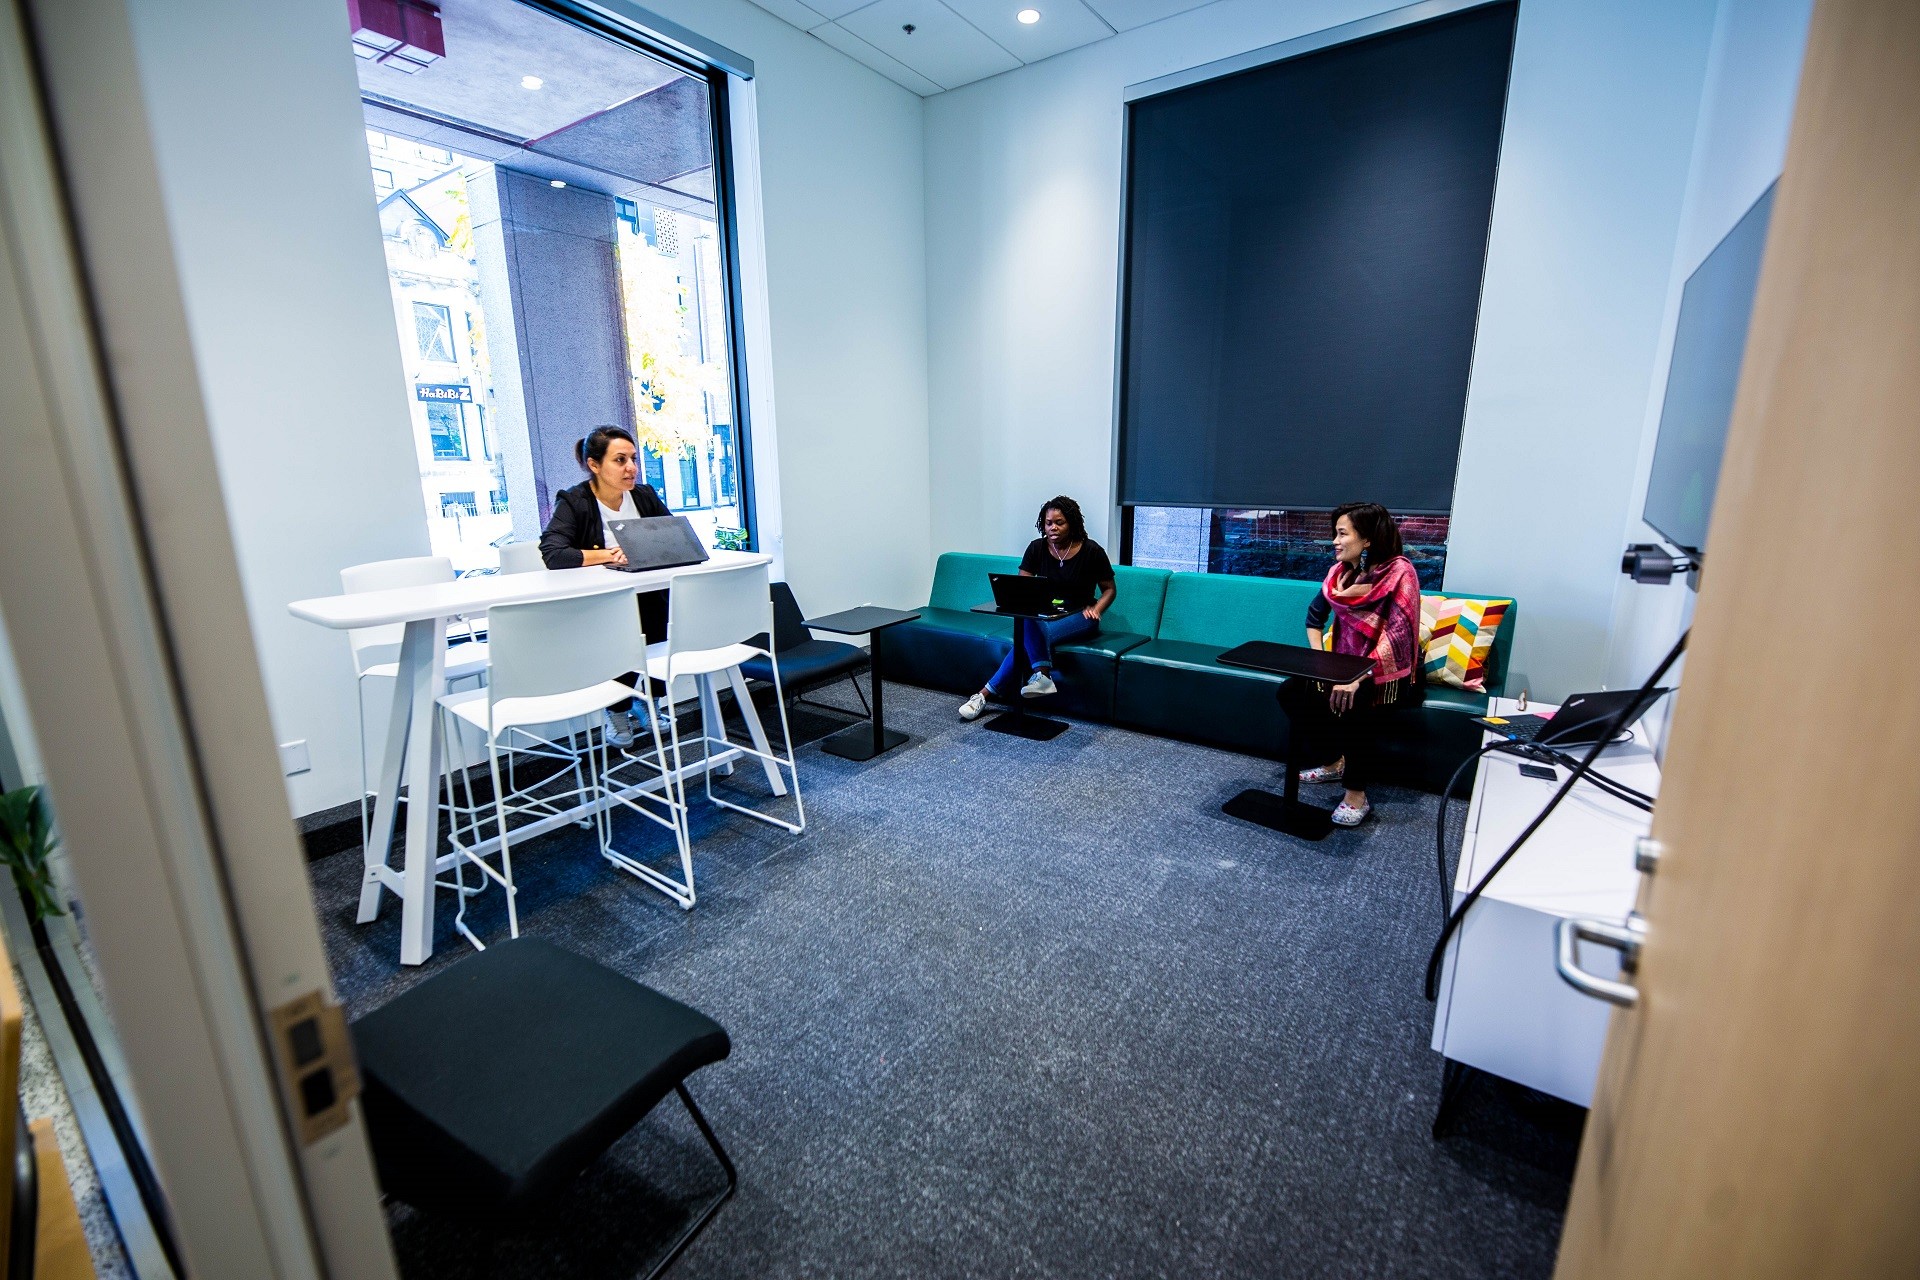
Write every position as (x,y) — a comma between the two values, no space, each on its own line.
(1022,725)
(1278,813)
(856,742)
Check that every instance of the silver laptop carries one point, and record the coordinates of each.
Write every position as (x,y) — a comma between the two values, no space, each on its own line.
(656,542)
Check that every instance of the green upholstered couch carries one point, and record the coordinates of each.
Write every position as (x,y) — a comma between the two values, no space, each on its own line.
(1154,664)
(950,648)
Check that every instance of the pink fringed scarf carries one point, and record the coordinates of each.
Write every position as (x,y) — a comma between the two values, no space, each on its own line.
(1377,615)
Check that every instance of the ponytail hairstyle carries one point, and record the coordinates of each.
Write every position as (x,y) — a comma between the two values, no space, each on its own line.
(1371,521)
(594,444)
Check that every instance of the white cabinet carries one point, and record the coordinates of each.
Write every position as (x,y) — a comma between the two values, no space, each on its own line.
(1502,1006)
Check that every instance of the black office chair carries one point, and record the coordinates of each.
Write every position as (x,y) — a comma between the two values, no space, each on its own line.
(805,663)
(491,1085)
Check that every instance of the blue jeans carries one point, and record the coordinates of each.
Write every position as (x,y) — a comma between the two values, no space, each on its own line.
(1040,638)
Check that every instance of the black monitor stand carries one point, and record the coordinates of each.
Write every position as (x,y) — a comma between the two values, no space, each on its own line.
(1286,812)
(1015,719)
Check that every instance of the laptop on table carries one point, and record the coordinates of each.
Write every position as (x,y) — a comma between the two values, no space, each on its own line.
(1579,721)
(656,542)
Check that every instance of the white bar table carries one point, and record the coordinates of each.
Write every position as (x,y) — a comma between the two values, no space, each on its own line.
(415,757)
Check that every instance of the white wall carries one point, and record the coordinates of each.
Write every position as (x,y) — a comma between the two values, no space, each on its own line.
(1600,121)
(1023,214)
(263,161)
(262,156)
(1741,146)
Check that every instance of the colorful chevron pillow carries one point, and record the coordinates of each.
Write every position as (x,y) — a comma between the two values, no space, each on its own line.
(1456,635)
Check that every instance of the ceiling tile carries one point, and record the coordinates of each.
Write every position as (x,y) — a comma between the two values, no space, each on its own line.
(1126,14)
(944,47)
(1063,25)
(837,8)
(802,16)
(862,52)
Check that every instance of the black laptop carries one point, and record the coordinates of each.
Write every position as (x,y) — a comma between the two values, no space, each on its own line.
(656,542)
(1580,720)
(1045,598)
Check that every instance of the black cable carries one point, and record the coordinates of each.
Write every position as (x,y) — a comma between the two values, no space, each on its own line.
(1527,750)
(1620,717)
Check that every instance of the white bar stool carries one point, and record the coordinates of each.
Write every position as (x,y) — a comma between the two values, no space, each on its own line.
(521,557)
(375,650)
(709,619)
(553,661)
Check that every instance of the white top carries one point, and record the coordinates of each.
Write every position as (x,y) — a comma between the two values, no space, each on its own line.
(482,591)
(627,511)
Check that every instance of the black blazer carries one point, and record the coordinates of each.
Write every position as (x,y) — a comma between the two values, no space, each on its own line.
(576,527)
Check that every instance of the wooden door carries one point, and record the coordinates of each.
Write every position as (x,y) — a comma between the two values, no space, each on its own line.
(1758,1112)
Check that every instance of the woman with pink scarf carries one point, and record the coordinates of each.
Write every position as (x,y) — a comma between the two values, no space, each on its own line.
(1373,597)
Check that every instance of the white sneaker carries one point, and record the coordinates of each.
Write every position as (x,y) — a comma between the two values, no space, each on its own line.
(1039,685)
(972,707)
(619,729)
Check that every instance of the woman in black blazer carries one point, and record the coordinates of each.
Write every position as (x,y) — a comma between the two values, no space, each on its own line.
(576,533)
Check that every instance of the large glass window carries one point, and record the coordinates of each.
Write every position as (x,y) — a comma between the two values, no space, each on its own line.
(1264,543)
(570,266)
(675,303)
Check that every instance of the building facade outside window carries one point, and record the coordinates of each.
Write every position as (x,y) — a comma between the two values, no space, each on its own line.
(1264,543)
(426,229)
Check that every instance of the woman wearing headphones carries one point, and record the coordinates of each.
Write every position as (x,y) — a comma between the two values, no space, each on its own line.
(577,533)
(1372,594)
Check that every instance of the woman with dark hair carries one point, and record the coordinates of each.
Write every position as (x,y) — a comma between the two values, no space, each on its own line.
(1064,553)
(577,534)
(1372,594)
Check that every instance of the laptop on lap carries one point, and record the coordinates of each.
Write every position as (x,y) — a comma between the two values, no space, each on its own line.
(1041,597)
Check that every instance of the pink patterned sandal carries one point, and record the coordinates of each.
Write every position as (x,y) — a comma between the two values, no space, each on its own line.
(1324,773)
(1345,815)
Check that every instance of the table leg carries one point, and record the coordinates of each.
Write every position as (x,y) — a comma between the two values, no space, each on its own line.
(387,793)
(1015,720)
(1285,812)
(423,660)
(749,713)
(712,723)
(865,741)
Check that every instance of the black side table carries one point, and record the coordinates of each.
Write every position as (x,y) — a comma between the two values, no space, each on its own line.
(1015,719)
(861,742)
(1285,812)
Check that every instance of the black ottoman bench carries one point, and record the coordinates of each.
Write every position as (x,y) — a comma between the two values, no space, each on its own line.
(490,1086)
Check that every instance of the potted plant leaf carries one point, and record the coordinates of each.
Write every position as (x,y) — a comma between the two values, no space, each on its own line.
(27,843)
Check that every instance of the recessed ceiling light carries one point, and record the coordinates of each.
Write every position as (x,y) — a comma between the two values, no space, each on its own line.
(555,183)
(531,82)
(1028,16)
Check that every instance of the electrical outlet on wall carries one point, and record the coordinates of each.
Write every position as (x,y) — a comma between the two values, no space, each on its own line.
(294,758)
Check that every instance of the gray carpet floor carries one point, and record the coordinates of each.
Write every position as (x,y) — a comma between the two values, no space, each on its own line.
(1021,1009)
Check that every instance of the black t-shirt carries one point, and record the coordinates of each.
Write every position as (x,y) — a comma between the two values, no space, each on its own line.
(1085,569)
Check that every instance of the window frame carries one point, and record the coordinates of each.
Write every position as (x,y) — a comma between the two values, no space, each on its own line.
(446,315)
(711,64)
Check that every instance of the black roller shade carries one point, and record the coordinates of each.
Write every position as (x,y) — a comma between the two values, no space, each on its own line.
(1304,249)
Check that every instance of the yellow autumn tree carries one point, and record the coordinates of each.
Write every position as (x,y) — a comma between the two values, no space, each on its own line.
(670,386)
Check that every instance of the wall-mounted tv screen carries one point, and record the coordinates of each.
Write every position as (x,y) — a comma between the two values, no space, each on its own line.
(1708,344)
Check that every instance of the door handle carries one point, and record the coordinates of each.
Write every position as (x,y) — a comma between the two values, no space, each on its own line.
(1626,939)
